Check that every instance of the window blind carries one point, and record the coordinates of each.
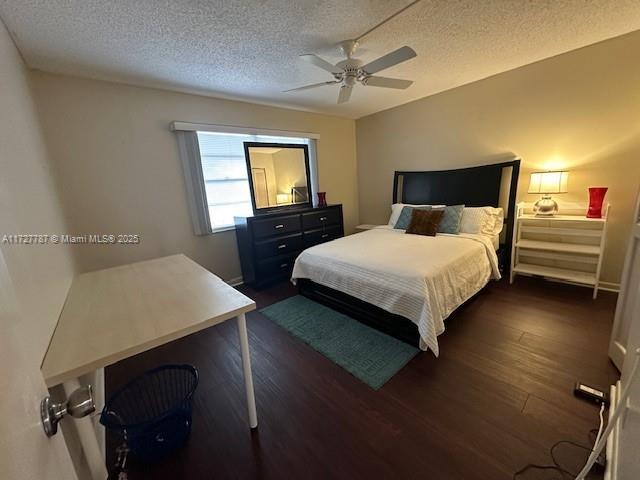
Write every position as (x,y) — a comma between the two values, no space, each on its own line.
(224,173)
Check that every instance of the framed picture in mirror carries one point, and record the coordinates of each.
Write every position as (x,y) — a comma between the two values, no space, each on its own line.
(278,175)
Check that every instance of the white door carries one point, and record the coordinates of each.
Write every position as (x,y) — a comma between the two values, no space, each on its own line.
(260,189)
(626,461)
(25,452)
(629,291)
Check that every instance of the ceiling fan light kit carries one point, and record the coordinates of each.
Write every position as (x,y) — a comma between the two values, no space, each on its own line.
(351,71)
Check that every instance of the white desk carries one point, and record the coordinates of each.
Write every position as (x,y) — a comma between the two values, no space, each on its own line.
(112,314)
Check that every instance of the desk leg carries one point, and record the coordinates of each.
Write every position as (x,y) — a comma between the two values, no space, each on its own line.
(88,438)
(246,367)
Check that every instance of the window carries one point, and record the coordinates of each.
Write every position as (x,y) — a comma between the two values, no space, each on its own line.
(224,173)
(215,170)
(225,177)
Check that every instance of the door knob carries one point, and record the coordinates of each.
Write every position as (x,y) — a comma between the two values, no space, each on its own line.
(79,404)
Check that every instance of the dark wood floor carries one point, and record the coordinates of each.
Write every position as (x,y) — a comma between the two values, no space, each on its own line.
(497,398)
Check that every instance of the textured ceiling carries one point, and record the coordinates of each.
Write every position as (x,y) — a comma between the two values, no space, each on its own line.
(248,49)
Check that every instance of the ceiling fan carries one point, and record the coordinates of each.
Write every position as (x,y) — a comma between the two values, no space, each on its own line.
(352,70)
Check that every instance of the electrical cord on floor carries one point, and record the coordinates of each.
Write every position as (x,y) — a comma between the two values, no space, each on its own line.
(556,465)
(601,438)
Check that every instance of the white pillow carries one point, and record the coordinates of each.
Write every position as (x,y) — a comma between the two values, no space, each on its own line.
(396,209)
(498,215)
(482,220)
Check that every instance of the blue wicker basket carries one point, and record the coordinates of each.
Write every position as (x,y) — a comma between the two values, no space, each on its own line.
(153,411)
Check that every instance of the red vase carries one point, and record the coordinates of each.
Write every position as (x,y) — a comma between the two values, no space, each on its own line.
(596,197)
(322,199)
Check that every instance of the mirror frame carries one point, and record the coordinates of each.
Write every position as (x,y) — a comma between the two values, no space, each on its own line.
(301,146)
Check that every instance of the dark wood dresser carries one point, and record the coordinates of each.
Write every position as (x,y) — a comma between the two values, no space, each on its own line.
(269,243)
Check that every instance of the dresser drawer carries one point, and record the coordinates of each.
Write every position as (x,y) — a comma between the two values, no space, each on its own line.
(277,266)
(276,226)
(330,216)
(268,243)
(278,246)
(320,236)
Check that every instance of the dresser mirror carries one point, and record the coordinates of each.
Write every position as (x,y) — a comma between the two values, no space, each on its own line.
(278,175)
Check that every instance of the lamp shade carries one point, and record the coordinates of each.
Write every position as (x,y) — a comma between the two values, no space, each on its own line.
(549,182)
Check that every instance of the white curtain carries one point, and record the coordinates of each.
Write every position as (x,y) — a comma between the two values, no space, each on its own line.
(194,181)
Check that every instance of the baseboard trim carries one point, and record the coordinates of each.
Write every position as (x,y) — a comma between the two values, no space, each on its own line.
(610,287)
(236,281)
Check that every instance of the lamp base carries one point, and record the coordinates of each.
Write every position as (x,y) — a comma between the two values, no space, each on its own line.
(545,207)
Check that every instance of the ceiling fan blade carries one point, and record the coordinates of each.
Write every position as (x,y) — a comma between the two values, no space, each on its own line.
(389,60)
(387,82)
(313,85)
(322,63)
(345,93)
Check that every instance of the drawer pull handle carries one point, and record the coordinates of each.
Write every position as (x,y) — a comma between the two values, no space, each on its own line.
(283,265)
(280,225)
(284,245)
(325,235)
(322,219)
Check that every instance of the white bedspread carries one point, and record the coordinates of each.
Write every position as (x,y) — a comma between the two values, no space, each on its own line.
(421,278)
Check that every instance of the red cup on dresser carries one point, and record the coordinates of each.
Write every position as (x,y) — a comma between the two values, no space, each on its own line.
(322,199)
(596,198)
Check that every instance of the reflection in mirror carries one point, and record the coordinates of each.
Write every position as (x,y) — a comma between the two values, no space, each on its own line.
(279,174)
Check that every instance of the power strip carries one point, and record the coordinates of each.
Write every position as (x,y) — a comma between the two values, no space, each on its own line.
(590,393)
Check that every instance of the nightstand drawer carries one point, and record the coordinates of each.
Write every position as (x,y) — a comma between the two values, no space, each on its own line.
(329,216)
(320,236)
(276,226)
(279,246)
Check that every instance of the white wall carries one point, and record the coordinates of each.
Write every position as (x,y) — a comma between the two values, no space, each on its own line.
(290,169)
(120,172)
(33,279)
(30,204)
(579,111)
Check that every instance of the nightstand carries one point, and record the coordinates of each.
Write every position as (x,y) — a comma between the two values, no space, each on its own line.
(565,248)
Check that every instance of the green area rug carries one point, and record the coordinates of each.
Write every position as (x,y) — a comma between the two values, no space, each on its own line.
(368,354)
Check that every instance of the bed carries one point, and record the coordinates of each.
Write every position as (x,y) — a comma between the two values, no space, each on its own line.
(408,285)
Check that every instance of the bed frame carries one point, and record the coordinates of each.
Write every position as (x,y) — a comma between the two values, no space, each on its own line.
(494,185)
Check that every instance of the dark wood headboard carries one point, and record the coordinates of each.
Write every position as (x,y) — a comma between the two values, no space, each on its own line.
(473,186)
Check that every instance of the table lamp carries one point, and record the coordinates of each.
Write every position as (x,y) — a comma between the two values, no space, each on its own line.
(547,183)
